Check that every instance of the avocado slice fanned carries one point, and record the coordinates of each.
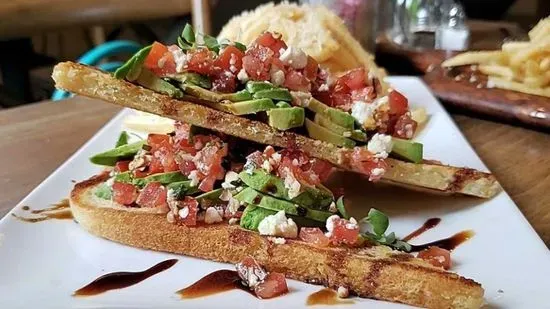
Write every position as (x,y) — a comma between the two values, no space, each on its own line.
(318,198)
(251,196)
(254,214)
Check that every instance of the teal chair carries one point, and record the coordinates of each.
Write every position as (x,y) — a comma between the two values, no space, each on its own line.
(95,55)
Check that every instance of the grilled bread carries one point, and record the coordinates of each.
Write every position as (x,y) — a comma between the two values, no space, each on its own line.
(90,82)
(376,272)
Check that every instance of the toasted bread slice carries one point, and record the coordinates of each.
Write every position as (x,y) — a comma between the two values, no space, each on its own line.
(91,82)
(377,272)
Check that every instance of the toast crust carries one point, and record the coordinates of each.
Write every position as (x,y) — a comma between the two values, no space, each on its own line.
(376,272)
(90,82)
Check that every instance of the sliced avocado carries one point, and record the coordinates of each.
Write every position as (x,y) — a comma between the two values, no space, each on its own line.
(103,191)
(121,72)
(137,64)
(149,80)
(163,178)
(110,157)
(282,104)
(325,122)
(315,198)
(254,87)
(279,94)
(315,131)
(286,118)
(250,107)
(213,195)
(407,150)
(253,215)
(193,79)
(251,196)
(125,177)
(337,116)
(202,93)
(238,96)
(182,188)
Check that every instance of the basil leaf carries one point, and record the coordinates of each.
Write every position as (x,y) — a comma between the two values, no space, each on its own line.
(341,208)
(378,220)
(402,245)
(122,139)
(183,45)
(240,46)
(188,34)
(211,43)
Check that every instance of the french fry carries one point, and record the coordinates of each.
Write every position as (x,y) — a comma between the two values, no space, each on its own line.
(474,57)
(516,86)
(545,64)
(511,47)
(498,70)
(541,30)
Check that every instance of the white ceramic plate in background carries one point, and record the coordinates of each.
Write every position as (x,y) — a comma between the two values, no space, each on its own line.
(42,264)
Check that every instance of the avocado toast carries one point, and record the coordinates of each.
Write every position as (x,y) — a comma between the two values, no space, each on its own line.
(284,101)
(199,193)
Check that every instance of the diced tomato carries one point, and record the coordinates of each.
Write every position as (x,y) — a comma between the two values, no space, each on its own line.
(201,60)
(364,162)
(140,174)
(167,159)
(366,94)
(193,207)
(230,59)
(207,184)
(436,256)
(160,60)
(399,104)
(124,193)
(310,71)
(156,141)
(224,81)
(355,79)
(257,62)
(256,157)
(122,166)
(344,232)
(153,195)
(181,131)
(314,235)
(296,81)
(273,285)
(155,166)
(405,127)
(186,167)
(321,168)
(340,95)
(272,41)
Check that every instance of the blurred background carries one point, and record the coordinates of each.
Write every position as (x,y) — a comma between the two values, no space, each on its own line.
(36,34)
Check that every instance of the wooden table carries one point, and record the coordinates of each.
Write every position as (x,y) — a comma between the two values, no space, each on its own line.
(36,139)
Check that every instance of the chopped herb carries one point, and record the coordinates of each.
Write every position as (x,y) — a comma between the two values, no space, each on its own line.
(378,220)
(341,208)
(188,34)
(379,223)
(122,139)
(211,43)
(240,46)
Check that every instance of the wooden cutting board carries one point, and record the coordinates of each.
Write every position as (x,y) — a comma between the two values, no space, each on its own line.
(463,88)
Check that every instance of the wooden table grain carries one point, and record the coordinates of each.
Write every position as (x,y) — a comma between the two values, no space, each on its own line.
(37,138)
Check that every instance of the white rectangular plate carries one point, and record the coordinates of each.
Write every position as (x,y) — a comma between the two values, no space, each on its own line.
(42,264)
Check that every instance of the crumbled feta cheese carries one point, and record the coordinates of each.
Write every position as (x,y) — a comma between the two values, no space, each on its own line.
(277,240)
(267,166)
(230,176)
(249,167)
(378,171)
(352,224)
(292,184)
(490,84)
(184,212)
(323,87)
(342,292)
(233,205)
(226,195)
(332,207)
(139,160)
(228,74)
(212,215)
(380,145)
(275,159)
(277,76)
(278,225)
(170,217)
(233,221)
(330,224)
(364,112)
(300,98)
(180,58)
(242,76)
(472,79)
(252,276)
(295,162)
(233,59)
(194,177)
(294,57)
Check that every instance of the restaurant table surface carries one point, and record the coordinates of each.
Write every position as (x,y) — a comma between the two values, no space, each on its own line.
(37,138)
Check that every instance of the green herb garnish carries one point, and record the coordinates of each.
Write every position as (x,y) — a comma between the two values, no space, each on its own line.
(379,223)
